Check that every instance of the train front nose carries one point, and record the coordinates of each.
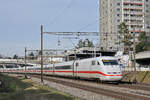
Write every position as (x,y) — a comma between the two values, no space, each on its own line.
(112,77)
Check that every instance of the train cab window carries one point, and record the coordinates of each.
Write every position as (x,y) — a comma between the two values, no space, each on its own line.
(110,62)
(93,63)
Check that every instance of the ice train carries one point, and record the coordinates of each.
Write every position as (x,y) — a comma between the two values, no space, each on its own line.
(104,68)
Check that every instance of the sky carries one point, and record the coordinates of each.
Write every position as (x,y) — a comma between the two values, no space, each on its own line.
(20,22)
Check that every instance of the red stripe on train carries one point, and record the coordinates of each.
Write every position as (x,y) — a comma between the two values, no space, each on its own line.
(89,72)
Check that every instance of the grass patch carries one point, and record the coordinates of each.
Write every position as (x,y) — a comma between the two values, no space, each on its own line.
(141,76)
(147,78)
(25,89)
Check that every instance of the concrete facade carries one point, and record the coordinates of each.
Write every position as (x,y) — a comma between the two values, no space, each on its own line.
(110,18)
(135,13)
(147,16)
(143,55)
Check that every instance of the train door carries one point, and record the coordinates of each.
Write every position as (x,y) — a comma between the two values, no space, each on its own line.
(94,68)
(85,68)
(53,68)
(76,68)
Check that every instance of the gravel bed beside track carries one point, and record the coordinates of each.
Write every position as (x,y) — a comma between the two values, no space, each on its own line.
(84,95)
(132,89)
(98,89)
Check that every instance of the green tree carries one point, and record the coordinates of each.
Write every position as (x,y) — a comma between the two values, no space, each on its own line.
(31,55)
(143,44)
(80,44)
(124,37)
(39,52)
(85,43)
(88,43)
(1,56)
(15,56)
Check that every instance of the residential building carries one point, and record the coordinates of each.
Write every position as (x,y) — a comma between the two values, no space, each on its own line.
(135,13)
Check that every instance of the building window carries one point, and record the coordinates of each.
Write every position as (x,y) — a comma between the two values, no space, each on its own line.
(147,11)
(118,20)
(110,47)
(118,4)
(118,9)
(118,26)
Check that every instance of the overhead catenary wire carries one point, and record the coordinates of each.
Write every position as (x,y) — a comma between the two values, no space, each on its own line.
(88,25)
(61,11)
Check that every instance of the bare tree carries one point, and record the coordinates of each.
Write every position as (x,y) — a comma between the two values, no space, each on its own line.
(125,37)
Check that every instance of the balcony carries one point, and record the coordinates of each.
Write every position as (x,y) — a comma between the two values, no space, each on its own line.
(136,30)
(135,23)
(133,3)
(138,9)
(133,18)
(133,14)
(136,1)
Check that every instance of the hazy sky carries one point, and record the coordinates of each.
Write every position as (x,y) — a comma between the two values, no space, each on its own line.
(20,22)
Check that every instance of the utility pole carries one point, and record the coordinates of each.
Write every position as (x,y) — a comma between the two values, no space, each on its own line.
(106,41)
(100,38)
(134,54)
(41,53)
(25,63)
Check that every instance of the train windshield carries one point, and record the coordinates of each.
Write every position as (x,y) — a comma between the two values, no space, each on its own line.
(110,62)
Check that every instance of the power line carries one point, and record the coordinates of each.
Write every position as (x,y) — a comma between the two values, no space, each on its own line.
(61,12)
(72,33)
(88,25)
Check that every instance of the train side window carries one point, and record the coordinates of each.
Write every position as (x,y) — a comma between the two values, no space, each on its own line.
(93,63)
(77,64)
(98,63)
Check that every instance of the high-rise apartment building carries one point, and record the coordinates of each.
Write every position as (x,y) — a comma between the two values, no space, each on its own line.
(135,13)
(147,16)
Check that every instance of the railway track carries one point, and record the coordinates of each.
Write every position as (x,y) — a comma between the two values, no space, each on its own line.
(123,92)
(136,86)
(145,87)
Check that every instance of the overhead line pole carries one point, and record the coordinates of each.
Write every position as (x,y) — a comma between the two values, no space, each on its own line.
(41,53)
(134,54)
(99,2)
(25,60)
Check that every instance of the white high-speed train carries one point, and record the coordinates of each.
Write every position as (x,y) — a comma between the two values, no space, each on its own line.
(102,68)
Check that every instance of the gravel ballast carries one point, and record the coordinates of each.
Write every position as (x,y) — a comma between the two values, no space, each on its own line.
(84,95)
